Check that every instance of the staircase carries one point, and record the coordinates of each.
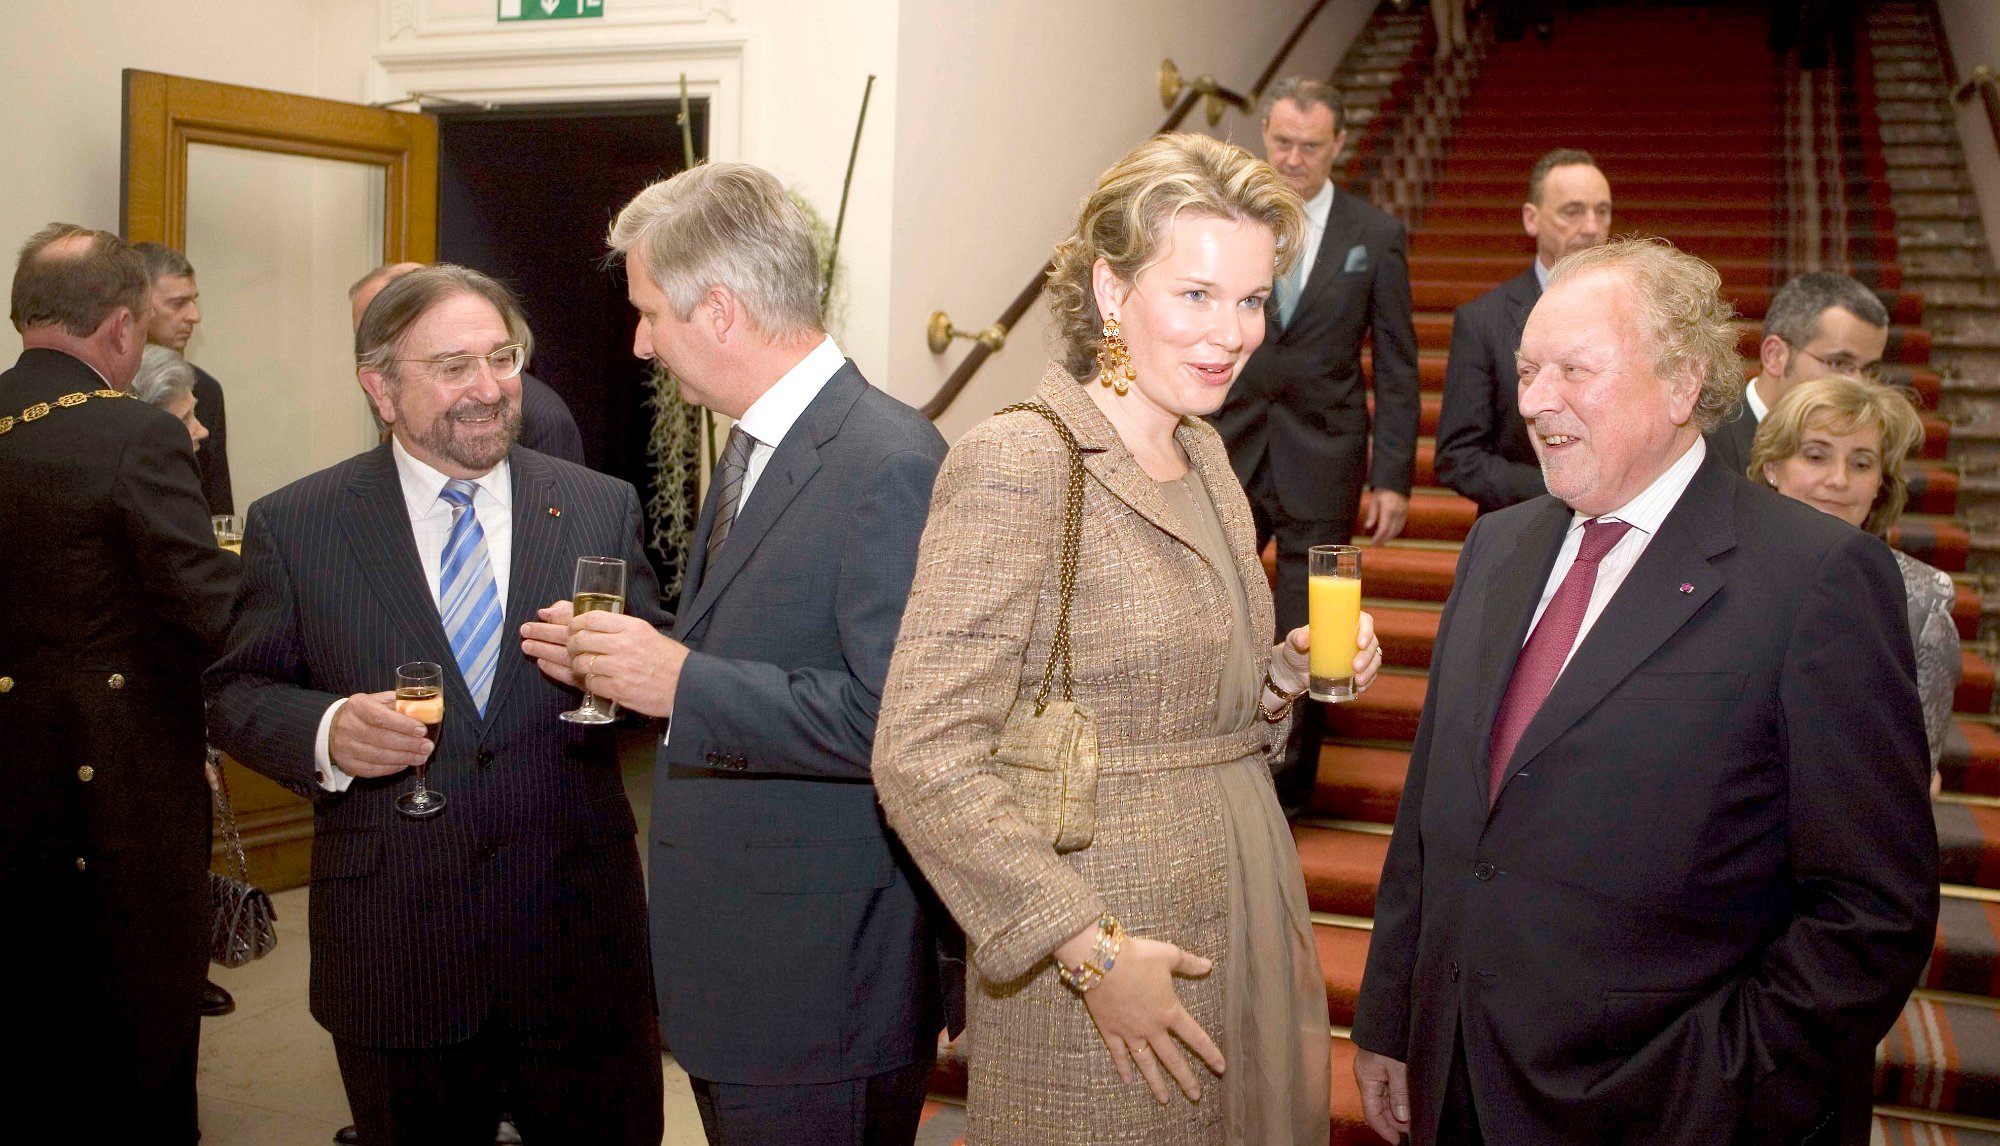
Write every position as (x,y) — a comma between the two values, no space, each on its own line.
(1724,159)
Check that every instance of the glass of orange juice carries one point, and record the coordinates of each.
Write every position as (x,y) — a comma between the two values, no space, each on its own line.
(1333,599)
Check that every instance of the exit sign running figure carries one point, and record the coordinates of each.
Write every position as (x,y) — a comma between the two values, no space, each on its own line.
(550,9)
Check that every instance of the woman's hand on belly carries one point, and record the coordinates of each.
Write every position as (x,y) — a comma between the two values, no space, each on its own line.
(1139,1014)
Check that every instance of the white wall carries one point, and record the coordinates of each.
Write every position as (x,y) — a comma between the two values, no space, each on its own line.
(1973,27)
(59,81)
(989,121)
(1006,115)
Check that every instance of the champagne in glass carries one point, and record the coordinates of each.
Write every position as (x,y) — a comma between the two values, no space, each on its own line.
(599,587)
(228,532)
(1333,601)
(420,696)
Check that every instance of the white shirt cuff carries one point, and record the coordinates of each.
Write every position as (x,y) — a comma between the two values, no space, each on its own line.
(330,776)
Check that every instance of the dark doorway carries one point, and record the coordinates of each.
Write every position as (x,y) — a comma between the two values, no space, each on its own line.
(526,194)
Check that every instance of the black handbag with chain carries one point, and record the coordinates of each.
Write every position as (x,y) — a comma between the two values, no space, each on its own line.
(245,925)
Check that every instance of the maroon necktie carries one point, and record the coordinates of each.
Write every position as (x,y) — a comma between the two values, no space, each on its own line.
(1542,658)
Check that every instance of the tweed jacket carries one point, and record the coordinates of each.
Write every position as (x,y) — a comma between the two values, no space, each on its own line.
(1148,613)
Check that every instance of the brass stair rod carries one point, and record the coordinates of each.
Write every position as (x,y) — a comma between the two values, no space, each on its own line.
(1214,97)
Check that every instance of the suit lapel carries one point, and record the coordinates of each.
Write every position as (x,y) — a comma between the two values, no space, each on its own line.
(1669,585)
(793,463)
(1514,581)
(377,523)
(1330,260)
(535,575)
(1522,295)
(1106,457)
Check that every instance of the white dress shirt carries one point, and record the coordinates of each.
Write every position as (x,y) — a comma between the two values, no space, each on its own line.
(1542,273)
(1317,209)
(1644,514)
(770,417)
(430,522)
(1755,401)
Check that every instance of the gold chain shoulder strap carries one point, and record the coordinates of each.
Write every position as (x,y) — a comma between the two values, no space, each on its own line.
(40,410)
(1072,538)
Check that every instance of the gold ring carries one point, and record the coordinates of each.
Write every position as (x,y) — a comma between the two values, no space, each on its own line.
(580,656)
(1142,1048)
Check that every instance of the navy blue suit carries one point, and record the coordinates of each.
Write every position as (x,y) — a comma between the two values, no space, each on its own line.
(1710,879)
(791,936)
(520,908)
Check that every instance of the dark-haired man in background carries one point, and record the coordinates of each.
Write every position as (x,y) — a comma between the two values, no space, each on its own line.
(119,597)
(1483,450)
(1820,323)
(174,301)
(1296,421)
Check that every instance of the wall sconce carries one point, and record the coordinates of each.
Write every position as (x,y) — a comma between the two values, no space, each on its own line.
(1213,95)
(940,332)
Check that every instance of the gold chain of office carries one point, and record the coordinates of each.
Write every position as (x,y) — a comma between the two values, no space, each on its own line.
(42,410)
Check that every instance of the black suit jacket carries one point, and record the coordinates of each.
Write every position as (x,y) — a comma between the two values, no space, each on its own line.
(790,931)
(524,894)
(1300,401)
(213,457)
(547,426)
(1710,878)
(1730,442)
(118,598)
(1483,448)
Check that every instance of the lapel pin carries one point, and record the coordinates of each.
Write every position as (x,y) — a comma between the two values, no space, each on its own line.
(554,512)
(1687,586)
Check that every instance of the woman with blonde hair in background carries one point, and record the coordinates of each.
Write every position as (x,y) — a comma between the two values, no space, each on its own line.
(1152,981)
(1839,444)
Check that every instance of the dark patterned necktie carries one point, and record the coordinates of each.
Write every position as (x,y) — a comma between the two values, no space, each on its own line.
(729,473)
(1542,658)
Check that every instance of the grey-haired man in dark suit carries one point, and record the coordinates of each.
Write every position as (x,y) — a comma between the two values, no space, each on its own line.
(498,946)
(792,937)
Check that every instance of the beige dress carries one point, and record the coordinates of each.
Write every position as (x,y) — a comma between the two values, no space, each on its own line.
(1170,640)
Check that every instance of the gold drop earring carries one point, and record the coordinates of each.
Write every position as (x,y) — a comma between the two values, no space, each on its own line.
(1114,360)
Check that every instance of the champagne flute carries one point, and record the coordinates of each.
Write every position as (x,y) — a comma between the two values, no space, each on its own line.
(228,532)
(420,695)
(599,587)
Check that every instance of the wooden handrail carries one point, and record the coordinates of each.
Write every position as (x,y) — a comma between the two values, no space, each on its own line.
(981,351)
(1986,83)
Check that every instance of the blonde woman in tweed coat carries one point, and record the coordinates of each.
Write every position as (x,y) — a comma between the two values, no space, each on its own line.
(1211,1025)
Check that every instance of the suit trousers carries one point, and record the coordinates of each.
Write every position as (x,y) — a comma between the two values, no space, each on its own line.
(1299,769)
(878,1110)
(606,1089)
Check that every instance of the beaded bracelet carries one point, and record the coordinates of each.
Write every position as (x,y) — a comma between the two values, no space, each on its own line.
(1103,957)
(1273,716)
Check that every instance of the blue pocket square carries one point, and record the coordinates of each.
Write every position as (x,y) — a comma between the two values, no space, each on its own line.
(1357,258)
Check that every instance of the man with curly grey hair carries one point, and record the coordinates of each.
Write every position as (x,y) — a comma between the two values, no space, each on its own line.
(1664,869)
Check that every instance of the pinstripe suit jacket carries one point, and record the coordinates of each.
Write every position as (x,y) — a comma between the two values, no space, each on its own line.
(522,899)
(791,936)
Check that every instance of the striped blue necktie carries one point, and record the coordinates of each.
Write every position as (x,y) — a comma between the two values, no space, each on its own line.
(469,601)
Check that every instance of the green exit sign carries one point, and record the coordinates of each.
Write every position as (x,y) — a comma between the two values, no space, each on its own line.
(550,9)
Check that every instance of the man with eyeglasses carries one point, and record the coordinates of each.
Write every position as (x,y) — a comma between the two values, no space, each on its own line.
(1819,324)
(501,946)
(547,426)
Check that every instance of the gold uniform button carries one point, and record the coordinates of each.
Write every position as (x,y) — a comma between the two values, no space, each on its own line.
(6,684)
(80,864)
(117,680)
(85,773)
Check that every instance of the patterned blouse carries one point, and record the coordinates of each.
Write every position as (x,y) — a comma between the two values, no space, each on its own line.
(1930,595)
